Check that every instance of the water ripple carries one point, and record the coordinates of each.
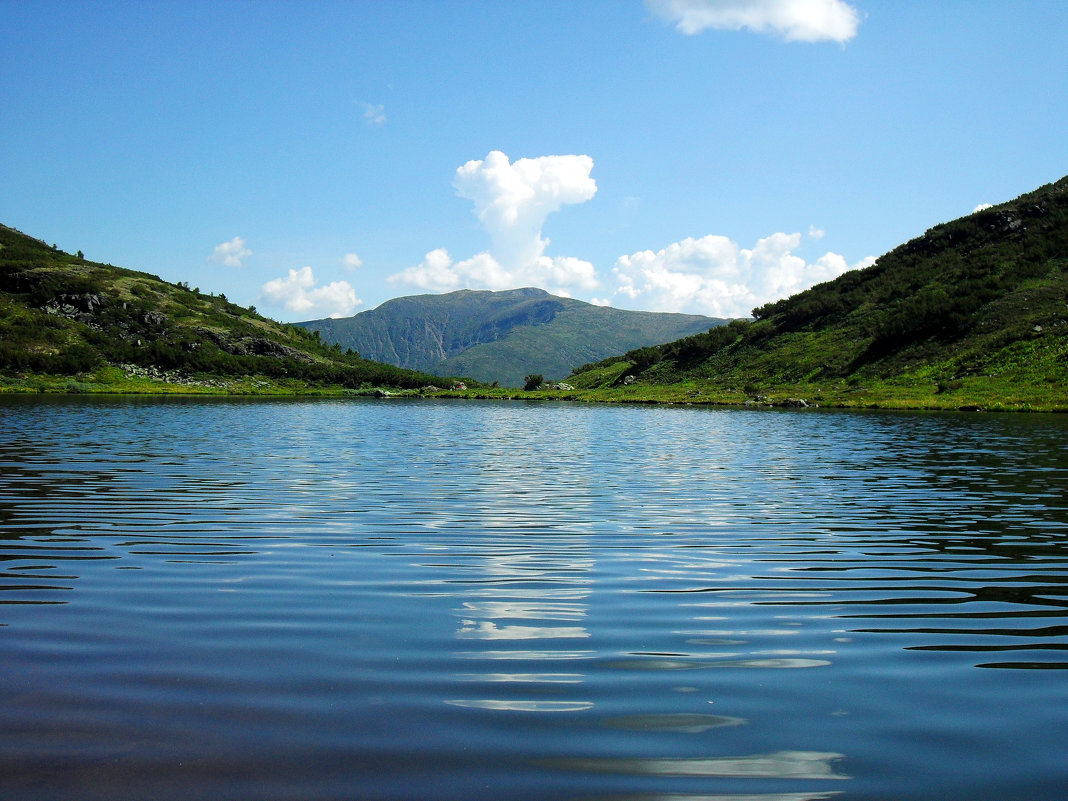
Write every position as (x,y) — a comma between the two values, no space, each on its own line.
(427,599)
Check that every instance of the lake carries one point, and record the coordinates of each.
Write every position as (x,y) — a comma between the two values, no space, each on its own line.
(385,599)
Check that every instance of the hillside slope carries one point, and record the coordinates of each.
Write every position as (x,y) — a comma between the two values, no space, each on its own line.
(100,326)
(974,308)
(500,336)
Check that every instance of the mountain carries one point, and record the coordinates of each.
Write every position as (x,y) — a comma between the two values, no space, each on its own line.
(500,336)
(67,323)
(975,310)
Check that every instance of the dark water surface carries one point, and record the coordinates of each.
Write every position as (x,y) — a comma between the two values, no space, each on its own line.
(436,600)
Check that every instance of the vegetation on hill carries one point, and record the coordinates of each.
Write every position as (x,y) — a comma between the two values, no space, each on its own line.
(973,313)
(67,323)
(500,336)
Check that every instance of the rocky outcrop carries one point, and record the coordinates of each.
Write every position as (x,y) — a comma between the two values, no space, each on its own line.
(83,307)
(253,346)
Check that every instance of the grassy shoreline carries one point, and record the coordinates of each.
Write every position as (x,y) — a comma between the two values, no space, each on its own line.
(967,395)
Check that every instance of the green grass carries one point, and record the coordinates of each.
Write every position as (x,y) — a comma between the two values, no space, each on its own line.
(973,314)
(900,395)
(65,321)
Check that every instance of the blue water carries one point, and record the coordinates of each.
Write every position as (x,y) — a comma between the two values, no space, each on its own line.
(388,599)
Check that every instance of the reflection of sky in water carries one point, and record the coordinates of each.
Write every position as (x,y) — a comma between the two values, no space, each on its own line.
(532,609)
(517,596)
(521,705)
(779,765)
(523,678)
(488,630)
(613,602)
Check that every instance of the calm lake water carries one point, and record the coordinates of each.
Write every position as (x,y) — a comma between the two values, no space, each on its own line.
(211,599)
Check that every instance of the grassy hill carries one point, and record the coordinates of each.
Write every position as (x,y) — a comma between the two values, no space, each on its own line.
(972,313)
(500,336)
(68,324)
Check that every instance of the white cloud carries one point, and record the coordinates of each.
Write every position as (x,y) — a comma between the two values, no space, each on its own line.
(816,233)
(351,261)
(561,273)
(297,292)
(232,253)
(982,207)
(439,273)
(512,202)
(793,20)
(713,276)
(374,114)
(434,273)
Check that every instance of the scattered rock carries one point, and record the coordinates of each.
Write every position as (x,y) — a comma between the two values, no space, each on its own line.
(174,377)
(254,346)
(1005,221)
(82,308)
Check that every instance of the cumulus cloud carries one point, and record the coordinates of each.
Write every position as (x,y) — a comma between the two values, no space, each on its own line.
(713,275)
(439,273)
(434,273)
(710,275)
(351,261)
(512,202)
(792,20)
(982,207)
(232,253)
(374,114)
(297,292)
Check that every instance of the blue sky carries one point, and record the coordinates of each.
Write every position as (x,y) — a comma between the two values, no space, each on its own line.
(317,159)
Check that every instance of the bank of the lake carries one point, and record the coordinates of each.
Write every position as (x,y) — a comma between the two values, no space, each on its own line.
(972,396)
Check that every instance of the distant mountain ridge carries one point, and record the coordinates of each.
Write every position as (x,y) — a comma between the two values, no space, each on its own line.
(500,336)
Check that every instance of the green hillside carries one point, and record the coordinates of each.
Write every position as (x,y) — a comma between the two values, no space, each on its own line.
(500,336)
(972,313)
(68,324)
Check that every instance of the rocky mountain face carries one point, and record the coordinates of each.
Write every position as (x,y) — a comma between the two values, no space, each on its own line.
(500,336)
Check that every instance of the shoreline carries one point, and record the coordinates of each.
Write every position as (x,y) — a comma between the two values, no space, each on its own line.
(791,397)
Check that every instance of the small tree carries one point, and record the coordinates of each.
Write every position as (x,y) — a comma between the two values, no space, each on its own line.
(533,381)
